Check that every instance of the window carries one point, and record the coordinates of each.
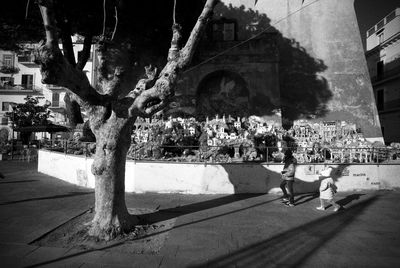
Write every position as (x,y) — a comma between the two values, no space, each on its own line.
(55,100)
(27,81)
(229,31)
(380,69)
(224,30)
(6,81)
(381,38)
(8,60)
(25,57)
(217,31)
(380,24)
(4,121)
(380,99)
(5,106)
(371,31)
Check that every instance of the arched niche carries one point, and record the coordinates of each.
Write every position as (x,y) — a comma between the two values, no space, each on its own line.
(222,92)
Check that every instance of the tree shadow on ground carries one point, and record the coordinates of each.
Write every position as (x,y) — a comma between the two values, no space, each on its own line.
(304,198)
(293,247)
(163,215)
(70,194)
(166,214)
(348,199)
(296,241)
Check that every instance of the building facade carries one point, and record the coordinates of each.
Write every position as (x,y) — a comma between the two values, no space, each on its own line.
(383,57)
(20,77)
(242,82)
(278,59)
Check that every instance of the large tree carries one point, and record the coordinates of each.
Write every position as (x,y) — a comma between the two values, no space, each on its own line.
(120,94)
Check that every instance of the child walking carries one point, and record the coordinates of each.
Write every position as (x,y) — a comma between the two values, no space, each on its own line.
(327,189)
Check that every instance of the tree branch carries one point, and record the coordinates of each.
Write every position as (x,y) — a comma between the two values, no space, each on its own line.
(56,69)
(73,110)
(194,38)
(49,22)
(85,52)
(148,101)
(68,49)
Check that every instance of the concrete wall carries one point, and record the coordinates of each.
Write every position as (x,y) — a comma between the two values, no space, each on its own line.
(323,71)
(189,178)
(70,168)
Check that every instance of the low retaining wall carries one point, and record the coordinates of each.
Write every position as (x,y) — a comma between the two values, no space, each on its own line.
(202,178)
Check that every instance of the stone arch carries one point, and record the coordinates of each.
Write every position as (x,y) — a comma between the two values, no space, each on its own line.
(222,92)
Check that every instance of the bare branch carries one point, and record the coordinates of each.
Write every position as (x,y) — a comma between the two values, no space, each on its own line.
(65,31)
(104,18)
(174,13)
(85,52)
(49,23)
(194,38)
(55,68)
(27,9)
(147,101)
(116,23)
(68,49)
(73,111)
(173,52)
(145,83)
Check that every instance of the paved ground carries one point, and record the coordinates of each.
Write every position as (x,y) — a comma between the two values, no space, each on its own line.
(208,230)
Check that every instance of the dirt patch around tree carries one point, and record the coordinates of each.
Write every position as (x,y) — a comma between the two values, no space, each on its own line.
(146,238)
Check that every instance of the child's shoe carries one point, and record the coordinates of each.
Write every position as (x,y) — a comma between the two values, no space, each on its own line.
(320,208)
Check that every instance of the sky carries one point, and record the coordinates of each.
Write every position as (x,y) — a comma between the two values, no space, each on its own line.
(369,12)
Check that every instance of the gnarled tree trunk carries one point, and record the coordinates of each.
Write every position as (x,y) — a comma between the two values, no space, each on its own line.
(113,141)
(112,116)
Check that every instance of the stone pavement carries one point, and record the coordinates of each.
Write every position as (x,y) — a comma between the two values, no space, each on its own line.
(208,230)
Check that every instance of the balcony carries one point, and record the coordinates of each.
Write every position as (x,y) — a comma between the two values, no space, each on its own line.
(19,89)
(25,58)
(55,88)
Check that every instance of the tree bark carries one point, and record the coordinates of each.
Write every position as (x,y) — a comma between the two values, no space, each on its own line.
(73,110)
(111,214)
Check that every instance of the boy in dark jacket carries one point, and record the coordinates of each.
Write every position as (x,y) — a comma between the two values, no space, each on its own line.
(288,178)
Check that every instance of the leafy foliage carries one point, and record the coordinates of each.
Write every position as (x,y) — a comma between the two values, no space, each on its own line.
(8,69)
(29,113)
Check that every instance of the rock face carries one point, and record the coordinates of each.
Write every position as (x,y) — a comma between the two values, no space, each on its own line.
(322,68)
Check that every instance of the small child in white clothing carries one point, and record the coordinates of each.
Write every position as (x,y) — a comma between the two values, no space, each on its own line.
(327,189)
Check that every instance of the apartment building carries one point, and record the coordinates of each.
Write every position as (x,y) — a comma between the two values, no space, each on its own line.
(20,77)
(383,58)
